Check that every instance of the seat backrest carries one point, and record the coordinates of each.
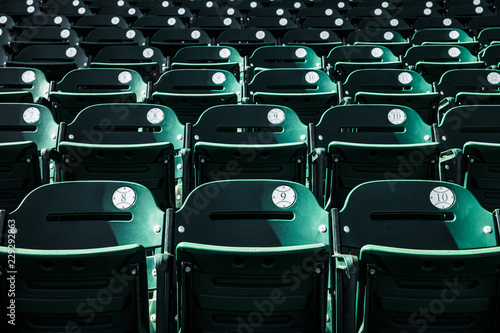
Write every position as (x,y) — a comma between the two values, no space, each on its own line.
(169,41)
(490,55)
(21,84)
(440,35)
(480,81)
(321,41)
(246,41)
(437,53)
(267,57)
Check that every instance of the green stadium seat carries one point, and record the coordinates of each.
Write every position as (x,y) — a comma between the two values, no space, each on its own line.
(86,86)
(88,23)
(308,92)
(319,40)
(43,36)
(438,22)
(99,38)
(189,92)
(169,41)
(215,25)
(395,24)
(246,41)
(42,20)
(456,37)
(22,85)
(391,39)
(489,36)
(338,25)
(130,14)
(277,25)
(151,24)
(490,56)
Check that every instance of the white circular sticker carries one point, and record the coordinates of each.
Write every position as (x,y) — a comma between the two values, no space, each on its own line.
(377,12)
(447,22)
(1,32)
(225,53)
(31,115)
(300,52)
(297,5)
(405,77)
(181,11)
(429,4)
(65,33)
(171,21)
(120,3)
(71,52)
(31,9)
(130,34)
(227,21)
(165,4)
(427,11)
(339,22)
(479,10)
(388,35)
(442,197)
(476,2)
(155,116)
(218,78)
(124,77)
(28,77)
(3,19)
(115,20)
(276,116)
(148,53)
(230,11)
(394,22)
(260,34)
(454,34)
(283,21)
(132,11)
(341,4)
(29,2)
(385,4)
(253,4)
(81,10)
(454,52)
(76,3)
(324,35)
(493,78)
(312,77)
(284,196)
(328,12)
(280,12)
(396,116)
(377,52)
(195,34)
(209,4)
(124,197)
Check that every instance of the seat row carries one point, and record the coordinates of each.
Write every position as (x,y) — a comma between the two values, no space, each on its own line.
(146,144)
(245,255)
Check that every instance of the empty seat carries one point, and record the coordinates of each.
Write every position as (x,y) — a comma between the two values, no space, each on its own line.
(394,24)
(73,12)
(43,20)
(102,37)
(432,61)
(358,143)
(277,25)
(44,36)
(444,36)
(269,227)
(246,41)
(88,23)
(86,86)
(148,61)
(438,22)
(169,41)
(491,56)
(489,36)
(355,15)
(151,24)
(249,142)
(130,15)
(22,85)
(215,25)
(308,92)
(375,37)
(189,92)
(393,86)
(338,25)
(342,60)
(320,41)
(479,23)
(184,14)
(465,13)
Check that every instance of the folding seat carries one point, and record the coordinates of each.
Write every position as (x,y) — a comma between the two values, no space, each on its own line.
(393,24)
(22,85)
(210,57)
(138,146)
(148,61)
(43,36)
(151,24)
(433,266)
(437,23)
(214,26)
(290,56)
(479,23)
(354,15)
(97,5)
(74,12)
(102,37)
(248,142)
(277,25)
(489,36)
(169,41)
(147,5)
(20,11)
(491,56)
(341,6)
(129,14)
(233,259)
(88,23)
(197,5)
(432,61)
(320,41)
(246,41)
(469,87)
(291,5)
(465,13)
(54,60)
(87,249)
(343,60)
(6,22)
(184,14)
(269,12)
(444,36)
(413,10)
(339,25)
(43,20)
(392,86)
(353,144)
(86,86)
(308,92)
(189,92)
(220,12)
(378,37)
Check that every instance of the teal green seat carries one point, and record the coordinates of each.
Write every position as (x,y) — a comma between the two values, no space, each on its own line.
(246,41)
(489,36)
(99,38)
(490,56)
(425,248)
(210,57)
(84,234)
(44,36)
(354,144)
(189,92)
(308,92)
(444,36)
(87,86)
(86,24)
(148,61)
(393,86)
(249,142)
(151,24)
(291,56)
(343,60)
(391,39)
(169,41)
(319,40)
(136,143)
(432,61)
(22,85)
(237,251)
